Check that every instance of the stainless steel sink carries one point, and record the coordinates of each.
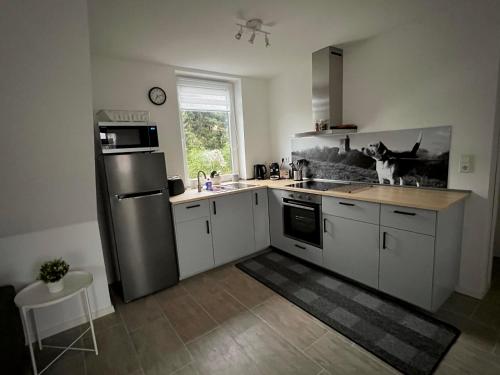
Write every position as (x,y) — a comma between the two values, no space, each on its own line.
(232,186)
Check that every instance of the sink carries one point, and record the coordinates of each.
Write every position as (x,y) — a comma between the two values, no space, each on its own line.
(232,186)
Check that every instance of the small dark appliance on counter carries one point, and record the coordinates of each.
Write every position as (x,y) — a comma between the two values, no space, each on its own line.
(259,171)
(175,185)
(274,171)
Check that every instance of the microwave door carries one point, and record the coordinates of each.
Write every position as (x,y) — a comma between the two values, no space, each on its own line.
(128,138)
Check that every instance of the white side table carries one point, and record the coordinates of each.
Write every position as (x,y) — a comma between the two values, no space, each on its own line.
(37,295)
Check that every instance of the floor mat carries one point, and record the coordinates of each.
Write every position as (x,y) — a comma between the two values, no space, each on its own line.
(404,337)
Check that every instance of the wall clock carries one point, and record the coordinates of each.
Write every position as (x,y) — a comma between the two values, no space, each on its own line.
(157,95)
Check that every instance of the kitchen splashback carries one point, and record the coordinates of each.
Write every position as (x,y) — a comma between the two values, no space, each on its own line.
(417,157)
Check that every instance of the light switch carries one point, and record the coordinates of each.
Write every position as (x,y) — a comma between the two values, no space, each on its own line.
(466,164)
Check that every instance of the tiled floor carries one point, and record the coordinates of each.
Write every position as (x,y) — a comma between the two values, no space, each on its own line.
(225,322)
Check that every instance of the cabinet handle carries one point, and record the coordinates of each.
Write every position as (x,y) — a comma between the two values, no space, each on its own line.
(383,240)
(208,227)
(193,206)
(215,208)
(324,225)
(256,199)
(346,204)
(300,247)
(404,213)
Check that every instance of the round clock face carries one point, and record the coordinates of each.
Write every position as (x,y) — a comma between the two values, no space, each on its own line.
(157,95)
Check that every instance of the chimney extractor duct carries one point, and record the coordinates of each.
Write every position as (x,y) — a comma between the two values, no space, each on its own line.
(327,86)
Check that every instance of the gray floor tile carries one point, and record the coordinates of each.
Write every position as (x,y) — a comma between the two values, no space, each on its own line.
(159,349)
(187,317)
(139,312)
(460,304)
(338,356)
(117,355)
(297,326)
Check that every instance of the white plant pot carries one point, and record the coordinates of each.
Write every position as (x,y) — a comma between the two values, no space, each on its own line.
(56,287)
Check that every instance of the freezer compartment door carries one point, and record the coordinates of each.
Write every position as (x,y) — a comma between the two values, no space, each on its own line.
(130,173)
(145,243)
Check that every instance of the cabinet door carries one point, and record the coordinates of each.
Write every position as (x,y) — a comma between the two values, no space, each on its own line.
(232,226)
(406,265)
(351,248)
(278,239)
(194,246)
(260,219)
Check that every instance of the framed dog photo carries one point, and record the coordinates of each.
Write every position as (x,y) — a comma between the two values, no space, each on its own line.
(414,157)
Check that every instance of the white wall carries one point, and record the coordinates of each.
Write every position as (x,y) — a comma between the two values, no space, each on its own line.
(47,200)
(124,84)
(255,98)
(442,71)
(22,255)
(496,180)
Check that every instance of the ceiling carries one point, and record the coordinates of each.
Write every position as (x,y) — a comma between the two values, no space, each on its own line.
(199,34)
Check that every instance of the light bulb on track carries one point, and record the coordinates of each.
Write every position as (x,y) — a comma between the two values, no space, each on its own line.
(252,38)
(239,33)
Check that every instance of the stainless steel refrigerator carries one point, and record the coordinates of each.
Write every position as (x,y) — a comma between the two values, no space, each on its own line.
(142,230)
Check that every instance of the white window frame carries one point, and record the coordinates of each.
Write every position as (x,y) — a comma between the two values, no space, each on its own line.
(233,128)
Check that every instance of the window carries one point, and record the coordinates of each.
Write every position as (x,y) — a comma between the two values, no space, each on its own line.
(208,126)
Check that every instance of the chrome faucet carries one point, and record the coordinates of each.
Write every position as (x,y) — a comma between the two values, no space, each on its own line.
(199,184)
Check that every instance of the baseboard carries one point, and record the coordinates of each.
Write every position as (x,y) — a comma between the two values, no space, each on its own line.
(73,323)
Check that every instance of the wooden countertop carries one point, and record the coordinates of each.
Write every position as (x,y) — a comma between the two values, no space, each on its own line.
(191,195)
(427,199)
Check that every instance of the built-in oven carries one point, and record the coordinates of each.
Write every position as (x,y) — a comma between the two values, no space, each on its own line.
(123,137)
(302,218)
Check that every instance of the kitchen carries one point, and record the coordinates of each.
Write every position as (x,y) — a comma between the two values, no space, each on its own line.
(406,68)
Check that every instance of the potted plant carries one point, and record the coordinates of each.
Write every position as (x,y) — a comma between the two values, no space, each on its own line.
(52,273)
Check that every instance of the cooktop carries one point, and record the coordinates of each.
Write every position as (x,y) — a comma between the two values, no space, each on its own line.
(317,185)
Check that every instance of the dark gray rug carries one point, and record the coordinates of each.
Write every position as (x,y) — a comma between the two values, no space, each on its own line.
(406,338)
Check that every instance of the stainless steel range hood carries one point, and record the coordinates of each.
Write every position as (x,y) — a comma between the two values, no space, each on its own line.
(327,90)
(327,86)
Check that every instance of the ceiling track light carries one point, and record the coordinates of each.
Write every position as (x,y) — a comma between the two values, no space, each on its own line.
(239,33)
(254,26)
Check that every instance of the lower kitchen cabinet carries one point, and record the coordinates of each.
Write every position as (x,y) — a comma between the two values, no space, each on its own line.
(278,239)
(194,246)
(407,265)
(351,248)
(260,218)
(232,226)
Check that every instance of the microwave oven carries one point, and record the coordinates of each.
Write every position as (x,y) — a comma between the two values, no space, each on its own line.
(124,137)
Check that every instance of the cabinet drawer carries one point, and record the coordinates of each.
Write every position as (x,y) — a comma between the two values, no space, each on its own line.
(301,250)
(191,210)
(412,219)
(352,209)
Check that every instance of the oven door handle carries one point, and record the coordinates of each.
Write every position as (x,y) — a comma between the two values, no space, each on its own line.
(298,206)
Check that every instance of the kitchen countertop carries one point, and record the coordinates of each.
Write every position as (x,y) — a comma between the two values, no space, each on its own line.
(191,195)
(427,199)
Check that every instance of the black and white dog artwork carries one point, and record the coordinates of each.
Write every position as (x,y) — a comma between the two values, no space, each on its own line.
(410,157)
(392,165)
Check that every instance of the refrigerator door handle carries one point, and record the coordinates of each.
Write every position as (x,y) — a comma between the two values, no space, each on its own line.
(139,195)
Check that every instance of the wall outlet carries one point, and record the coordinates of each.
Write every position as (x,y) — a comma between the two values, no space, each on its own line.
(466,165)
